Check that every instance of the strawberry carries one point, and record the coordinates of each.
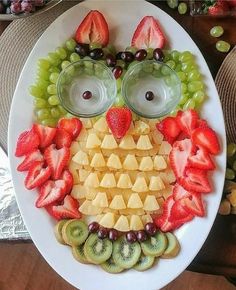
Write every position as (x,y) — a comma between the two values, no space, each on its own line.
(68,178)
(179,214)
(187,121)
(201,160)
(72,126)
(50,192)
(179,192)
(207,138)
(162,221)
(37,175)
(93,29)
(57,159)
(195,180)
(30,158)
(232,3)
(219,8)
(46,134)
(119,120)
(148,34)
(62,138)
(169,128)
(27,141)
(202,124)
(194,204)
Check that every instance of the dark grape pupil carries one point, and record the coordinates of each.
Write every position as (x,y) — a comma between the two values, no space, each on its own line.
(87,95)
(149,96)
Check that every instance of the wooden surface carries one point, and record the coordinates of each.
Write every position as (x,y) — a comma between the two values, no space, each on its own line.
(22,267)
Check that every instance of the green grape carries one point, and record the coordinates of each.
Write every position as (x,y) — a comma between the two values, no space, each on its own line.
(49,122)
(94,45)
(44,64)
(149,53)
(199,97)
(187,66)
(119,101)
(43,84)
(190,104)
(43,74)
(234,165)
(178,67)
(52,89)
(194,75)
(184,98)
(131,49)
(43,114)
(181,75)
(222,46)
(71,44)
(118,84)
(186,56)
(54,77)
(182,8)
(183,88)
(61,52)
(54,70)
(175,55)
(65,64)
(229,174)
(171,64)
(110,49)
(165,70)
(53,58)
(231,149)
(74,57)
(36,91)
(217,31)
(195,86)
(40,103)
(173,3)
(63,111)
(55,112)
(121,63)
(53,100)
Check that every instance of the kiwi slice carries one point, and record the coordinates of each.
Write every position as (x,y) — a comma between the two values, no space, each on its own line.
(144,263)
(78,254)
(111,267)
(96,250)
(58,233)
(155,245)
(75,232)
(173,247)
(125,254)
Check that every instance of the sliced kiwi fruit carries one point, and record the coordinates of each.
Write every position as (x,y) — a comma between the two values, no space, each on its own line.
(173,247)
(155,245)
(75,232)
(111,267)
(125,254)
(78,254)
(96,250)
(58,231)
(144,263)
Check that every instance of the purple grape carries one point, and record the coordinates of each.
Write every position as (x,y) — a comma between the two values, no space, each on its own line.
(117,71)
(110,60)
(131,237)
(150,229)
(93,227)
(96,53)
(27,6)
(158,54)
(87,95)
(82,49)
(118,55)
(102,233)
(16,7)
(127,56)
(141,236)
(140,54)
(113,234)
(149,96)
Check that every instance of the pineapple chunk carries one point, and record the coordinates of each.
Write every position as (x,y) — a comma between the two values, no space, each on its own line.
(86,123)
(100,200)
(131,129)
(114,162)
(131,211)
(146,219)
(159,163)
(157,137)
(117,202)
(135,201)
(150,203)
(136,223)
(141,128)
(144,143)
(156,183)
(140,185)
(93,141)
(130,163)
(168,176)
(78,191)
(107,209)
(98,160)
(109,142)
(152,124)
(90,193)
(127,143)
(99,217)
(73,170)
(165,148)
(122,224)
(74,165)
(83,174)
(101,125)
(83,135)
(87,208)
(108,220)
(74,148)
(92,180)
(124,181)
(81,158)
(108,180)
(146,164)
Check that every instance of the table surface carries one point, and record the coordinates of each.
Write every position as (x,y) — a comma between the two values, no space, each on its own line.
(24,267)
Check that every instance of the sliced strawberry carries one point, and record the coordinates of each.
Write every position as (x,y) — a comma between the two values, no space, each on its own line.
(37,175)
(30,158)
(93,29)
(169,128)
(57,159)
(187,121)
(50,192)
(119,120)
(202,124)
(182,136)
(178,214)
(201,160)
(73,126)
(207,138)
(194,204)
(62,138)
(148,34)
(46,134)
(162,220)
(179,192)
(195,180)
(68,178)
(27,141)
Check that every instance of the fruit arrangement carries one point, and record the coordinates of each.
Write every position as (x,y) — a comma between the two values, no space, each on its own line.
(118,184)
(20,6)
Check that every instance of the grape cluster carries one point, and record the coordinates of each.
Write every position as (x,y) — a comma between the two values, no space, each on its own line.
(20,6)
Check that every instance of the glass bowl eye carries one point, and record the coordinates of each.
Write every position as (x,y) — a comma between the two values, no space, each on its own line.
(86,88)
(151,89)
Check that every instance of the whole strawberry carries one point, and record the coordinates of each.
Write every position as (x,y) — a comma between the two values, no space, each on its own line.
(219,8)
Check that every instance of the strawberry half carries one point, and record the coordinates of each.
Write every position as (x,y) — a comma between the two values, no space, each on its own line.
(169,129)
(57,159)
(148,34)
(30,158)
(187,121)
(207,138)
(27,141)
(62,138)
(50,192)
(68,178)
(46,134)
(179,192)
(37,175)
(178,214)
(194,204)
(72,126)
(201,160)
(93,29)
(119,120)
